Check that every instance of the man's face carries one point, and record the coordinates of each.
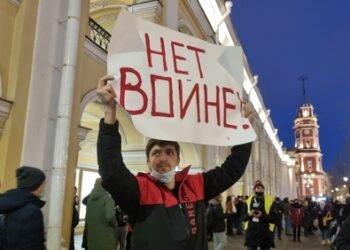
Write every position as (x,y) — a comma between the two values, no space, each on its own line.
(259,189)
(40,190)
(163,158)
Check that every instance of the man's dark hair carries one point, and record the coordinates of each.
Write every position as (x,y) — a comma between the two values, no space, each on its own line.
(152,142)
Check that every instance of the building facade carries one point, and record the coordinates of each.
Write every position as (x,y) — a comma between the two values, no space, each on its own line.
(54,52)
(312,180)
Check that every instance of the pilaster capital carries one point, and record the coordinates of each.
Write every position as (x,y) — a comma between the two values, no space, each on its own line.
(82,133)
(149,10)
(5,108)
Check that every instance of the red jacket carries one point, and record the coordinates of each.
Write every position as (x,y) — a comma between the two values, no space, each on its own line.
(162,218)
(296,215)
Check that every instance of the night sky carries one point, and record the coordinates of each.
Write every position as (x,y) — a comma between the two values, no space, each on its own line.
(284,39)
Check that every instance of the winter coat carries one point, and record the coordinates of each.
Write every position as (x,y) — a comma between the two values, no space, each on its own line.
(279,215)
(100,217)
(286,208)
(342,241)
(260,233)
(322,214)
(218,217)
(296,215)
(163,218)
(24,220)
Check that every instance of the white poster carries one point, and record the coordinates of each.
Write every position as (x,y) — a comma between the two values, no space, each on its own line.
(177,87)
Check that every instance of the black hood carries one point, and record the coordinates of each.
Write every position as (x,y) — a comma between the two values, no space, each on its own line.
(17,198)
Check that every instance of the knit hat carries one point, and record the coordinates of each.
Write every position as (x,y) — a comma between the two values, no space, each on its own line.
(29,178)
(258,183)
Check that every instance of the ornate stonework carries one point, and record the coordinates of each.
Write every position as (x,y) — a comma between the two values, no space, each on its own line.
(5,108)
(150,10)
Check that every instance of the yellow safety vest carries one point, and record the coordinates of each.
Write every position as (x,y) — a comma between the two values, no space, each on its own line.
(268,200)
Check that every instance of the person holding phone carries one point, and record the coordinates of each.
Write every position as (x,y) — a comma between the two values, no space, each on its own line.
(259,216)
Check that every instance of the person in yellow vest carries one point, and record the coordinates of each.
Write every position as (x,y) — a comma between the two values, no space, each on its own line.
(259,216)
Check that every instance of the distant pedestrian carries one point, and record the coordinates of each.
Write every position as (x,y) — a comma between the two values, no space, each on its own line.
(218,226)
(342,241)
(286,216)
(100,217)
(75,218)
(230,210)
(23,222)
(279,217)
(324,217)
(308,217)
(259,216)
(237,221)
(296,215)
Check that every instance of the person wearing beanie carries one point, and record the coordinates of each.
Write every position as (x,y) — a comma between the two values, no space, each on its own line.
(259,216)
(24,224)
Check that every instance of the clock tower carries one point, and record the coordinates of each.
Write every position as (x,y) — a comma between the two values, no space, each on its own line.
(312,180)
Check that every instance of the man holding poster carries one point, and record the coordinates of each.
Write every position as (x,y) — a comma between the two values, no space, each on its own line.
(165,208)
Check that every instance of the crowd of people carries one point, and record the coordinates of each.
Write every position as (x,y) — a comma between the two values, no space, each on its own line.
(261,218)
(265,219)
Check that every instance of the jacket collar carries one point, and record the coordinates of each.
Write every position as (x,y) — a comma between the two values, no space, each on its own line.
(179,176)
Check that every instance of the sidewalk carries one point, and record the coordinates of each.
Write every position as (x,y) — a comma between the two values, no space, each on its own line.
(307,243)
(236,242)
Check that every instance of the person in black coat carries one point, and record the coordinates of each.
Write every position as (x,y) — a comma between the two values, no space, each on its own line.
(24,224)
(342,241)
(279,216)
(168,202)
(218,223)
(75,218)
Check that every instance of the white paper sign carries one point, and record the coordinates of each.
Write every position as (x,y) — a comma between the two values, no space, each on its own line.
(177,87)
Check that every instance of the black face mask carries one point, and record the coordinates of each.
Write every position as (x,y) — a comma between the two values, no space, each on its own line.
(259,194)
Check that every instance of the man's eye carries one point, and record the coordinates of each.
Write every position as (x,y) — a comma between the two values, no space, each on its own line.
(170,152)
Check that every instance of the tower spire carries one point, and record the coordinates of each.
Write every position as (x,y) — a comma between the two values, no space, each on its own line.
(303,78)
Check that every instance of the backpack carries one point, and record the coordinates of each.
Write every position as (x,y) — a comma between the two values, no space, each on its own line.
(3,241)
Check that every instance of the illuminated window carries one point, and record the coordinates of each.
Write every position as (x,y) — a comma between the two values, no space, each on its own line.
(309,164)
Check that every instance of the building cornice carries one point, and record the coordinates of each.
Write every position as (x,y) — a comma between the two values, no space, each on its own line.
(197,11)
(150,10)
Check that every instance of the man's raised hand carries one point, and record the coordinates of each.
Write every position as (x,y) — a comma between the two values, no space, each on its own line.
(107,95)
(105,91)
(248,111)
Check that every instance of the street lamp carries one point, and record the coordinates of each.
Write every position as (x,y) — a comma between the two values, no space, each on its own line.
(345,179)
